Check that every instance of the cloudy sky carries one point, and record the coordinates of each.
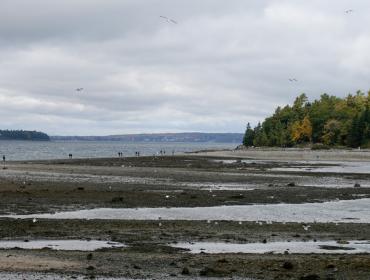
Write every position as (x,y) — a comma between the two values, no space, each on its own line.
(225,63)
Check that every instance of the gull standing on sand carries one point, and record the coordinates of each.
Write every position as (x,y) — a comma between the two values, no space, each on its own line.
(306,227)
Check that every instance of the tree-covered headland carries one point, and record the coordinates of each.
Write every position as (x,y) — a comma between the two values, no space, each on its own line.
(330,120)
(23,135)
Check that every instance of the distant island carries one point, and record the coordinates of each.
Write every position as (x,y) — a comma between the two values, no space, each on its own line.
(23,135)
(327,122)
(161,137)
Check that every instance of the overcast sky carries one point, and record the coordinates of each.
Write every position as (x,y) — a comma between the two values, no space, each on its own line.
(224,64)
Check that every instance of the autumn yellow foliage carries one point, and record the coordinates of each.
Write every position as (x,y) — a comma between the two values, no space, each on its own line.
(302,131)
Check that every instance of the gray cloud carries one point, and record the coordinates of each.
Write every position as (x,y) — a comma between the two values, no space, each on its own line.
(225,63)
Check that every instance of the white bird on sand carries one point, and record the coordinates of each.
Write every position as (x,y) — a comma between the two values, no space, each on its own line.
(168,19)
(306,227)
(34,220)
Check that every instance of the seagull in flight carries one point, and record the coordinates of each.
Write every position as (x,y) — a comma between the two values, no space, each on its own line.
(169,20)
(79,89)
(293,80)
(348,11)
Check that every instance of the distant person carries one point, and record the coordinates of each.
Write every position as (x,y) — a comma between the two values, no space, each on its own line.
(70,156)
(4,158)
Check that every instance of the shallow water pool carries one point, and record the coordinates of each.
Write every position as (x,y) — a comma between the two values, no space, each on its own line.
(341,211)
(66,245)
(296,247)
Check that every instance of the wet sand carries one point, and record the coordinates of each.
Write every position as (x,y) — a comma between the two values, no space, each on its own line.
(175,181)
(292,154)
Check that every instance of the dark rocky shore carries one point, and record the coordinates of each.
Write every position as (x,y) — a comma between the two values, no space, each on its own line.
(174,181)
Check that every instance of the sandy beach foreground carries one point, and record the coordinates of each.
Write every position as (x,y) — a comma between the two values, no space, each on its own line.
(256,179)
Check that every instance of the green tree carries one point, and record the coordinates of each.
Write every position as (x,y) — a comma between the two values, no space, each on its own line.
(248,136)
(329,119)
(332,130)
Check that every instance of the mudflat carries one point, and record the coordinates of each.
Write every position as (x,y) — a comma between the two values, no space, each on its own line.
(208,179)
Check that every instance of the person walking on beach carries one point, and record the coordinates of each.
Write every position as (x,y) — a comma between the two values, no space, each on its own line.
(4,167)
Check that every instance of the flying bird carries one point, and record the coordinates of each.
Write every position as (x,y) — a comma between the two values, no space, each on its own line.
(293,80)
(169,20)
(348,11)
(79,89)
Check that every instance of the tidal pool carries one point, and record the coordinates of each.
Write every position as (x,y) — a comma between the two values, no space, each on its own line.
(65,245)
(341,211)
(361,167)
(294,247)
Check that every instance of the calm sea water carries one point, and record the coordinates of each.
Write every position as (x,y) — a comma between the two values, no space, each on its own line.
(34,150)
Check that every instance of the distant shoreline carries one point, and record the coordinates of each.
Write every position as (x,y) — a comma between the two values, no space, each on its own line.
(185,137)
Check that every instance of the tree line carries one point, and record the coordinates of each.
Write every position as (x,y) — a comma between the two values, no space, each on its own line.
(23,135)
(330,121)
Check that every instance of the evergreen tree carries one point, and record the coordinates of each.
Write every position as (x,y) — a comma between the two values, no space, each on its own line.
(355,135)
(248,136)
